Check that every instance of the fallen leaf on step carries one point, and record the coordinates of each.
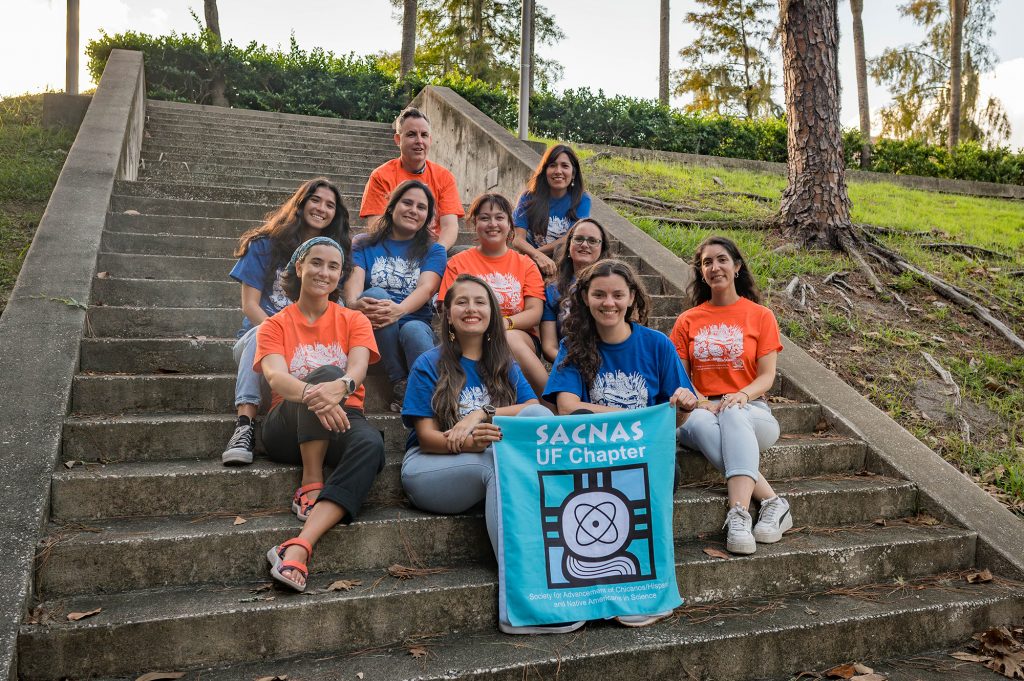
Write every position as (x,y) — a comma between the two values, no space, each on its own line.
(970,657)
(70,464)
(279,677)
(997,640)
(75,616)
(1011,666)
(103,275)
(843,671)
(715,553)
(344,584)
(976,577)
(132,212)
(262,587)
(862,669)
(239,520)
(418,652)
(359,675)
(879,521)
(157,676)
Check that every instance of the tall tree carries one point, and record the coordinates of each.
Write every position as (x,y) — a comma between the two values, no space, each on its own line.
(815,208)
(408,37)
(480,38)
(957,9)
(728,67)
(663,55)
(217,85)
(920,76)
(857,9)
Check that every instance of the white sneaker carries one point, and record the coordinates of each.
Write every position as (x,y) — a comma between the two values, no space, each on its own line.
(560,628)
(773,519)
(738,538)
(240,446)
(641,620)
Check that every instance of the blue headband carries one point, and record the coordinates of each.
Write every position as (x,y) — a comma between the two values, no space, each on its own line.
(304,247)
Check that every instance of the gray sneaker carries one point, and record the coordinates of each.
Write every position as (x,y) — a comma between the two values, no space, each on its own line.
(773,519)
(560,628)
(240,446)
(641,620)
(738,538)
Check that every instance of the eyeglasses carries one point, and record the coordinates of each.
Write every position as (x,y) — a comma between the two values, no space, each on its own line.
(588,240)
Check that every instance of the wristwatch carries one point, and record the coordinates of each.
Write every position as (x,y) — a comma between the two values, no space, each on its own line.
(510,323)
(489,412)
(349,383)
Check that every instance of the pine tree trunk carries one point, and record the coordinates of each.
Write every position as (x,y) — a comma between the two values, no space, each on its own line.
(957,11)
(217,85)
(857,7)
(663,55)
(815,208)
(408,38)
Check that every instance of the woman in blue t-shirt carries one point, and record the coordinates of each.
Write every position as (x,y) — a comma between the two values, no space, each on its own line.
(587,243)
(397,268)
(315,209)
(454,392)
(553,201)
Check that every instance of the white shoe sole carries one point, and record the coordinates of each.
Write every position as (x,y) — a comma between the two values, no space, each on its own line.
(540,628)
(770,537)
(642,620)
(236,457)
(741,548)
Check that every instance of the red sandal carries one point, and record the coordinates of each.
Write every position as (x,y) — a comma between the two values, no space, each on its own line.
(278,563)
(301,503)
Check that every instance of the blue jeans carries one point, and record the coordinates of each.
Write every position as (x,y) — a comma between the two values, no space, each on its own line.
(250,387)
(401,343)
(732,440)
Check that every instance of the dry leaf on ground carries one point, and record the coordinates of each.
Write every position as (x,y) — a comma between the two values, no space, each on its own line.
(239,520)
(1011,666)
(359,675)
(279,677)
(978,577)
(344,584)
(159,676)
(843,671)
(75,616)
(862,669)
(716,553)
(132,212)
(418,652)
(970,657)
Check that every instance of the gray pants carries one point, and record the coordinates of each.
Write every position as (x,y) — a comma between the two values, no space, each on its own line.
(732,440)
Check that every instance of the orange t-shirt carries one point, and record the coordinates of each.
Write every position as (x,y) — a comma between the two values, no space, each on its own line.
(513,277)
(722,343)
(306,346)
(386,177)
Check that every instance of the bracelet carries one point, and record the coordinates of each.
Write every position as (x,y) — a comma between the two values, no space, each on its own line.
(745,393)
(510,323)
(307,387)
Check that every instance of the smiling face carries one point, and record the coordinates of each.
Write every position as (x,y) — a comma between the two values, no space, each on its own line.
(320,270)
(493,227)
(410,213)
(559,174)
(608,299)
(470,311)
(718,268)
(585,245)
(319,209)
(413,140)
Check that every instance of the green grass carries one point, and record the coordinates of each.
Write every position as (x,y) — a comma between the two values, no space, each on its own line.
(30,161)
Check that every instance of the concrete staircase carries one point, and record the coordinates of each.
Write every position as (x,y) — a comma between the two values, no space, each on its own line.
(144,521)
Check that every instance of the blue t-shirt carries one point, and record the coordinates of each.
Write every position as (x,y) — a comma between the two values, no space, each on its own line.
(251,270)
(423,380)
(387,267)
(558,223)
(555,309)
(641,371)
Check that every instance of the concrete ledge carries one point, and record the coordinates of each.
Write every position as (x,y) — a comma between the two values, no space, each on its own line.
(474,146)
(933,184)
(62,110)
(41,328)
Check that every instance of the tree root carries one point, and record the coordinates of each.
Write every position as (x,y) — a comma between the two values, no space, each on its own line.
(746,195)
(947,378)
(646,202)
(964,248)
(724,224)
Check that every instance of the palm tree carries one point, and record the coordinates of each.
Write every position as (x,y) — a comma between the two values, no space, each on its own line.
(217,84)
(957,11)
(857,8)
(663,63)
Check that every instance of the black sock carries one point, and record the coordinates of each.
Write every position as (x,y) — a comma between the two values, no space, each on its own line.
(243,421)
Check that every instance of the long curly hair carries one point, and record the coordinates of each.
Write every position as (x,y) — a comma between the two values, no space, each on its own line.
(566,270)
(581,336)
(746,287)
(538,191)
(494,367)
(283,226)
(384,227)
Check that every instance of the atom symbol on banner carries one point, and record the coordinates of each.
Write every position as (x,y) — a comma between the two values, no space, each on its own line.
(596,524)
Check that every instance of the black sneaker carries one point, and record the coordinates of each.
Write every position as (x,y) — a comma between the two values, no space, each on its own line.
(398,395)
(240,446)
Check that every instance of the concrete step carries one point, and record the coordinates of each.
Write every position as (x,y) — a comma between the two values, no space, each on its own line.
(176,224)
(157,110)
(157,355)
(755,638)
(165,128)
(163,322)
(152,153)
(287,181)
(190,207)
(153,550)
(147,488)
(217,624)
(271,198)
(134,266)
(310,145)
(169,244)
(198,162)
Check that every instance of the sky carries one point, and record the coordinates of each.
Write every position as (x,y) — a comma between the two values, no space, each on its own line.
(610,44)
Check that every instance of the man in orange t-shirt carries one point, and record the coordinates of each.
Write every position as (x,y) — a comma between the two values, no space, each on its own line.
(412,136)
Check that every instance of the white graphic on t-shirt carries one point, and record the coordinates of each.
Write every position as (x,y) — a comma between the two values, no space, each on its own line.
(508,289)
(394,274)
(720,344)
(557,227)
(472,398)
(308,358)
(619,389)
(277,298)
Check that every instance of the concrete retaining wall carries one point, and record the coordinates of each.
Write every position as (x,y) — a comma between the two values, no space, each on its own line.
(474,146)
(64,110)
(41,327)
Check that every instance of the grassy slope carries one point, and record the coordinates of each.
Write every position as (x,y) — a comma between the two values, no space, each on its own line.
(30,161)
(877,346)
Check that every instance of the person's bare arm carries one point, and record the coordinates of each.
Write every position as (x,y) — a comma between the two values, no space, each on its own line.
(569,402)
(549,340)
(544,262)
(251,305)
(449,231)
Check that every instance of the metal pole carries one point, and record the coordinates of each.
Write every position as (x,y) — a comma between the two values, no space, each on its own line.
(71,80)
(524,70)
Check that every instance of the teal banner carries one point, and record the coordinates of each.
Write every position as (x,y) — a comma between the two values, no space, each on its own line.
(586,515)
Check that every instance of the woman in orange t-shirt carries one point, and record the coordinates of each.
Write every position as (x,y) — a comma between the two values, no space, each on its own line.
(728,343)
(512,276)
(314,355)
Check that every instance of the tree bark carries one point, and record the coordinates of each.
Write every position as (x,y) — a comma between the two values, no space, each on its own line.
(408,38)
(815,208)
(857,8)
(533,46)
(957,12)
(663,55)
(212,18)
(217,85)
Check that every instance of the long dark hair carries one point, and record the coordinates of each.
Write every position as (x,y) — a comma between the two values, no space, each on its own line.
(566,270)
(384,228)
(494,367)
(581,337)
(538,191)
(699,290)
(283,226)
(499,202)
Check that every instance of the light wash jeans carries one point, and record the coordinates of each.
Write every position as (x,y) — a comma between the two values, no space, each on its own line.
(732,440)
(446,483)
(401,343)
(250,387)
